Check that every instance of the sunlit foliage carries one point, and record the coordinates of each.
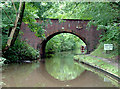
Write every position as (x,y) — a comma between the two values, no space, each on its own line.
(104,15)
(64,42)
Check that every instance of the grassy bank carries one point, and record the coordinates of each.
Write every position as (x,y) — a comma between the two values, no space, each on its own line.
(95,61)
(100,52)
(98,62)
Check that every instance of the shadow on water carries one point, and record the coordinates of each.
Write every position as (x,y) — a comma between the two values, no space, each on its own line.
(58,71)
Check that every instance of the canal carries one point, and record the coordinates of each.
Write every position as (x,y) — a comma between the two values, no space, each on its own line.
(57,71)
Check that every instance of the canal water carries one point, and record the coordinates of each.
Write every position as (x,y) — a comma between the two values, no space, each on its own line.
(57,71)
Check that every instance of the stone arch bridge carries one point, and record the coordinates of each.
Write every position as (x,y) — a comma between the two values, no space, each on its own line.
(73,26)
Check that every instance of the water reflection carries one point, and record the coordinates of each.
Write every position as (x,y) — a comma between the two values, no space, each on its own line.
(58,71)
(62,66)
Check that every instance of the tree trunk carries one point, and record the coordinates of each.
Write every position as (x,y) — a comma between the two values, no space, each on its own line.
(19,25)
(14,32)
(15,26)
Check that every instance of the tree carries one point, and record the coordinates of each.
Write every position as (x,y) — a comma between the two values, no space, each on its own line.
(35,10)
(63,42)
(19,11)
(104,15)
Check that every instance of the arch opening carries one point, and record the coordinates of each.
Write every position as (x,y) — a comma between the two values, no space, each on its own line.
(44,42)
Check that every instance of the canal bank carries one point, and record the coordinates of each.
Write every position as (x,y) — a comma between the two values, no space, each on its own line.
(99,63)
(108,77)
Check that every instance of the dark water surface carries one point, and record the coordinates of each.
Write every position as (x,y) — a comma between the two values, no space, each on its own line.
(58,71)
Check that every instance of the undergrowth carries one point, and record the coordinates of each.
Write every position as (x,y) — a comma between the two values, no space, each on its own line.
(20,51)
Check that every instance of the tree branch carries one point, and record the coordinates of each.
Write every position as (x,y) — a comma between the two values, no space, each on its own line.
(14,28)
(8,16)
(19,25)
(14,6)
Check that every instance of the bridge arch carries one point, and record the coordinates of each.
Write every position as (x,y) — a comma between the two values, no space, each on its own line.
(43,44)
(74,26)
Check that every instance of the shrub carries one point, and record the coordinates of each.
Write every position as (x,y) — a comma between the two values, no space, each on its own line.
(20,51)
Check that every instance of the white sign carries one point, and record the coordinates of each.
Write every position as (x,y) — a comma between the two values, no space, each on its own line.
(62,27)
(108,46)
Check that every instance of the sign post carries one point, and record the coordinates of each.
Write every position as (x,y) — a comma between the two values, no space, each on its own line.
(108,47)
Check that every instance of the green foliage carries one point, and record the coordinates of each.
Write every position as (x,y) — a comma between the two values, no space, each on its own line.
(100,52)
(8,18)
(62,66)
(63,42)
(20,51)
(104,15)
(29,18)
(112,34)
(66,10)
(35,10)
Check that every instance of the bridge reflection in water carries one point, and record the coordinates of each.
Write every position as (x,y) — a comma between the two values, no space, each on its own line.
(58,71)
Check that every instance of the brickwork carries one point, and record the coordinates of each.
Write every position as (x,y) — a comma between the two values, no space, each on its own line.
(76,27)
